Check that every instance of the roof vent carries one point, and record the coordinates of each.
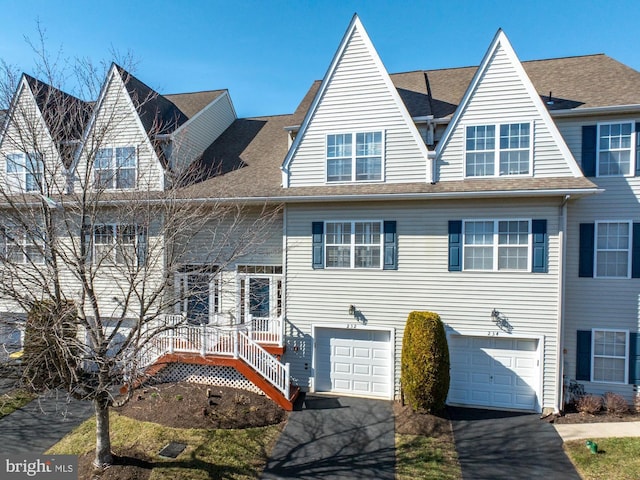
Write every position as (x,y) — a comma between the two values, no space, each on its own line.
(550,101)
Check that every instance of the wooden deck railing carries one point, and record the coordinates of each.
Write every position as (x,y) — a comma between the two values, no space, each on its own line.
(236,341)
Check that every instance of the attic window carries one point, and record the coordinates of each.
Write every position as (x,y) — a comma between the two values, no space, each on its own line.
(115,168)
(510,152)
(354,157)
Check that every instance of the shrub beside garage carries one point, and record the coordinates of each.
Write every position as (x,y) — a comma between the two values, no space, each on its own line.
(425,362)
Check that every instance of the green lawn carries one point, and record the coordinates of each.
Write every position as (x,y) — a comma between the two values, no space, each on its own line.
(241,454)
(13,400)
(617,458)
(424,458)
(229,454)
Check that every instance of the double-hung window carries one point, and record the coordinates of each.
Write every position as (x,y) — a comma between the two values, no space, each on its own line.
(353,244)
(613,249)
(24,172)
(355,157)
(21,247)
(115,168)
(119,244)
(497,245)
(610,352)
(615,149)
(510,154)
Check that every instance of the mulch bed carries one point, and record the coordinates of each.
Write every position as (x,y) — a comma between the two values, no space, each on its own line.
(184,405)
(409,422)
(601,417)
(189,405)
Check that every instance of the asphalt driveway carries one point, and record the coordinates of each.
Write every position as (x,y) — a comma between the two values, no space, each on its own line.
(40,424)
(336,438)
(494,445)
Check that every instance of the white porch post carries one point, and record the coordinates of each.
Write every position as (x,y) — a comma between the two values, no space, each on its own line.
(287,381)
(236,338)
(203,340)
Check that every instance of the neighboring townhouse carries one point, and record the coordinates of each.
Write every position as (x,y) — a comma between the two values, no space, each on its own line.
(503,197)
(456,191)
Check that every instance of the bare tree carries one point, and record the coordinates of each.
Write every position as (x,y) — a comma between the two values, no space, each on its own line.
(90,251)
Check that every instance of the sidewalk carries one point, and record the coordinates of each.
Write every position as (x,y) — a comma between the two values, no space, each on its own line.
(40,424)
(578,431)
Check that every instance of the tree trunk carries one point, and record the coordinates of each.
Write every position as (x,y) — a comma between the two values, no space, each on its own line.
(103,438)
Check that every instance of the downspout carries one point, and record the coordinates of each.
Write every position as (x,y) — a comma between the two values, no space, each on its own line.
(561,283)
(283,314)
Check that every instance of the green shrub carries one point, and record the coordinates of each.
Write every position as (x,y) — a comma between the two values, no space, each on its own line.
(50,346)
(425,362)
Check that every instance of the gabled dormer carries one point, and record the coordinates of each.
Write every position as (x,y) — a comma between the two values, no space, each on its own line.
(137,137)
(501,128)
(357,129)
(39,137)
(118,151)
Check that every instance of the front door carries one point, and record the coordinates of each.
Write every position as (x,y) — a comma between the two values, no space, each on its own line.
(260,295)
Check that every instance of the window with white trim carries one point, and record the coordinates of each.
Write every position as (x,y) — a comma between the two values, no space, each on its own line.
(354,157)
(613,249)
(119,244)
(24,172)
(198,289)
(22,247)
(512,152)
(115,168)
(610,352)
(497,245)
(353,244)
(615,142)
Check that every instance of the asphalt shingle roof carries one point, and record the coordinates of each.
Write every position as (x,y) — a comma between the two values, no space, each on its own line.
(245,161)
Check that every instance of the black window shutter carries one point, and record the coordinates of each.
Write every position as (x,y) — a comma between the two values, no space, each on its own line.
(635,251)
(390,245)
(318,245)
(634,358)
(583,355)
(455,245)
(638,148)
(589,146)
(540,246)
(587,244)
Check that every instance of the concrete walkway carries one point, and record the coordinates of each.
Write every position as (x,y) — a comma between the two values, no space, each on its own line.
(336,438)
(496,445)
(39,425)
(579,431)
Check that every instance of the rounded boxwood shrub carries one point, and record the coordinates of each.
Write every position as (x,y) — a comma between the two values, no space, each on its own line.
(50,356)
(425,362)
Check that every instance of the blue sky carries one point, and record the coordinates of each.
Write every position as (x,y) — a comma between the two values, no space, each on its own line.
(268,52)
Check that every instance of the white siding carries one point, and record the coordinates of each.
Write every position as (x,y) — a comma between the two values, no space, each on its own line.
(422,282)
(201,130)
(117,125)
(26,133)
(358,99)
(501,97)
(598,302)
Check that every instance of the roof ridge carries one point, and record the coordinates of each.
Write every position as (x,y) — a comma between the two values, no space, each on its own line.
(198,91)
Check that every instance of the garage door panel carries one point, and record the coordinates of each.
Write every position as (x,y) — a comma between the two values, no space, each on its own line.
(361,352)
(353,361)
(494,372)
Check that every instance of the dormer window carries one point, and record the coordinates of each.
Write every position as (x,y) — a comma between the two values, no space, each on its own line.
(511,152)
(115,168)
(354,157)
(24,172)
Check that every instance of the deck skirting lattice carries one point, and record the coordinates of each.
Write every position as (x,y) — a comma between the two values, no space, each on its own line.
(220,376)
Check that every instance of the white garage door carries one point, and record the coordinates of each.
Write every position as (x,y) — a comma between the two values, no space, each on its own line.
(356,362)
(494,372)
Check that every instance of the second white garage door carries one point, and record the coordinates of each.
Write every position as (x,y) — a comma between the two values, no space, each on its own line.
(354,361)
(494,372)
